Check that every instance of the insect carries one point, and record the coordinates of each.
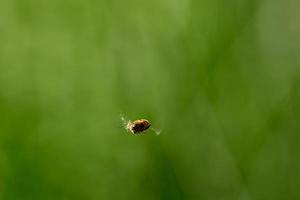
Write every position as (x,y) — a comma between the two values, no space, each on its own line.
(138,126)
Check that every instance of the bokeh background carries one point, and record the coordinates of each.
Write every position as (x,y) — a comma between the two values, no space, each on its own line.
(220,78)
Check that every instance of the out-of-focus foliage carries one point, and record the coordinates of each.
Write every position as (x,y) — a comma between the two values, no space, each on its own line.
(220,78)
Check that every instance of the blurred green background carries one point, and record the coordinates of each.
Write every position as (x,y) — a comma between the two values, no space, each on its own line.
(220,78)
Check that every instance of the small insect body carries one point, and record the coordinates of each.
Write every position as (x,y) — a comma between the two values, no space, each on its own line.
(138,126)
